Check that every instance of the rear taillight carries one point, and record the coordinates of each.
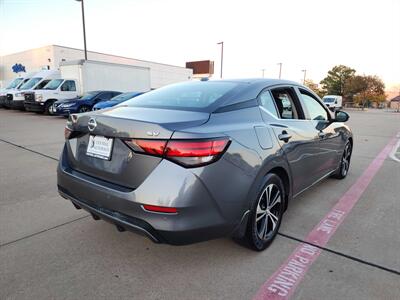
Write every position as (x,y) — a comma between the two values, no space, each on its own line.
(67,133)
(71,134)
(188,153)
(154,147)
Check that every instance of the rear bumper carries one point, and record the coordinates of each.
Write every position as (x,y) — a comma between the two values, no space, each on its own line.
(198,218)
(34,106)
(124,222)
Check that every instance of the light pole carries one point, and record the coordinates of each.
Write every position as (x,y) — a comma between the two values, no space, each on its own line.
(222,55)
(304,78)
(280,70)
(84,29)
(263,70)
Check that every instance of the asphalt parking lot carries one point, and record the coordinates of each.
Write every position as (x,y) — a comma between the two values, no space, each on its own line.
(50,250)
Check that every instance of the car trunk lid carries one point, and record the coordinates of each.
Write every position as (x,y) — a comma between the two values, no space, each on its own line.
(125,167)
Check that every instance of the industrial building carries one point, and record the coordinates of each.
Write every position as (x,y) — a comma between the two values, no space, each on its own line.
(49,57)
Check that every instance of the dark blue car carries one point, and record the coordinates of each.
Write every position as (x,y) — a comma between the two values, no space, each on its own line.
(82,104)
(116,100)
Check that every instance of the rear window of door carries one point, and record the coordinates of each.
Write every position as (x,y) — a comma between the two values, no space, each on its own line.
(286,103)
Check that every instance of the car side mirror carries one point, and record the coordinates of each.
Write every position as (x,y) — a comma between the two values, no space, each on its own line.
(341,116)
(321,125)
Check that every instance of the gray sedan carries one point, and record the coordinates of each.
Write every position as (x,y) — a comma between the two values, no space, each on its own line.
(200,160)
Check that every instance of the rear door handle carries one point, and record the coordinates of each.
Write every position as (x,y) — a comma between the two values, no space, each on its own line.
(284,136)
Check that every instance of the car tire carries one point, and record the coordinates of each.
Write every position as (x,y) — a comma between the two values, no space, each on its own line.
(266,213)
(47,107)
(344,166)
(83,108)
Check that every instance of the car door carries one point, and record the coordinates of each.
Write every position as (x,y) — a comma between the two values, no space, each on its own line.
(295,134)
(328,149)
(68,90)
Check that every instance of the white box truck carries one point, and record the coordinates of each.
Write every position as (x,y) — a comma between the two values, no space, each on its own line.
(81,76)
(333,102)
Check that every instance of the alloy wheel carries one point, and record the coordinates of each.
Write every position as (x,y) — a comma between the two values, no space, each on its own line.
(345,164)
(268,211)
(84,109)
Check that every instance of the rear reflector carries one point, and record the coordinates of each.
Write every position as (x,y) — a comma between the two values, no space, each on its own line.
(188,153)
(160,209)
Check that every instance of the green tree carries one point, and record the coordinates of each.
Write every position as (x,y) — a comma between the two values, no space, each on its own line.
(314,87)
(354,86)
(366,89)
(335,82)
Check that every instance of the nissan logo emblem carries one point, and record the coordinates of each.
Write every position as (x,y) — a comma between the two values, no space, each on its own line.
(92,124)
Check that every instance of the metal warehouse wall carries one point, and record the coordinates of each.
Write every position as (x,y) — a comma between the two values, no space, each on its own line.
(36,59)
(33,60)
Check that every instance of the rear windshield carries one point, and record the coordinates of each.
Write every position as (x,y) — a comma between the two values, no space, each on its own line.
(328,100)
(196,96)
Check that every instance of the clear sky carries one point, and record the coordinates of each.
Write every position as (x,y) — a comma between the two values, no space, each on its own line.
(309,34)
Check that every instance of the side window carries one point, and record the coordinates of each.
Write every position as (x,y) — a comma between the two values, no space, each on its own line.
(68,86)
(268,103)
(314,108)
(284,101)
(104,96)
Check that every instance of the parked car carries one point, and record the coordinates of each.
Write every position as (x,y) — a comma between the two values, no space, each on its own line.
(333,102)
(200,160)
(15,85)
(82,104)
(116,100)
(57,89)
(15,99)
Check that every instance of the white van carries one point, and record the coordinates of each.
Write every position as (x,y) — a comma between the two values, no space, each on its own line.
(333,102)
(57,89)
(14,85)
(15,99)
